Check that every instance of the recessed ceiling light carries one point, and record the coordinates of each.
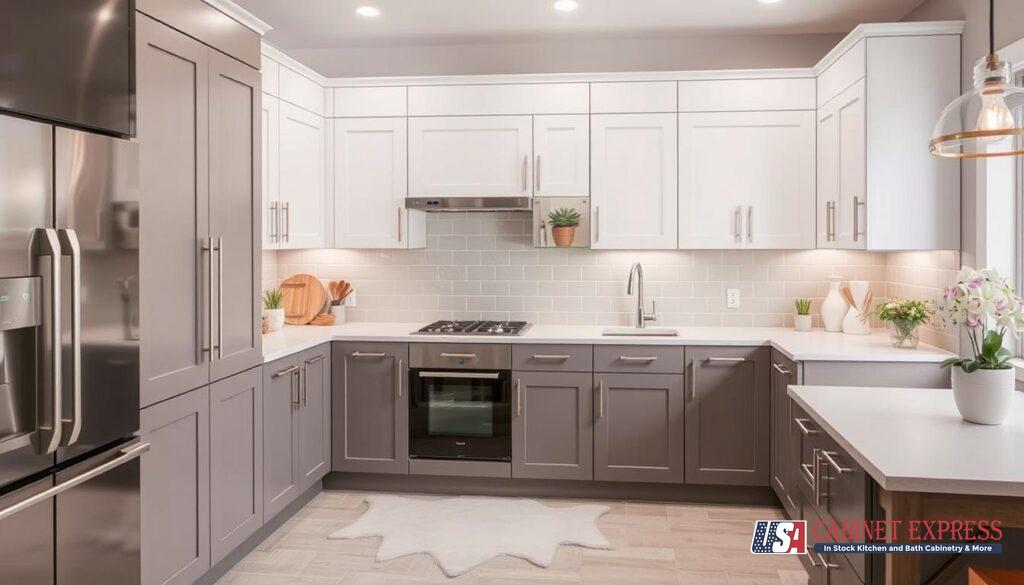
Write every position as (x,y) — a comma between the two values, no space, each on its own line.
(566,5)
(368,11)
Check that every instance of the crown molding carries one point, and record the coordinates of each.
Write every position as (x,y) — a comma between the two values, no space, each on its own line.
(275,54)
(888,29)
(243,16)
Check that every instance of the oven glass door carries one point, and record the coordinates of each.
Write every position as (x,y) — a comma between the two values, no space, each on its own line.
(460,415)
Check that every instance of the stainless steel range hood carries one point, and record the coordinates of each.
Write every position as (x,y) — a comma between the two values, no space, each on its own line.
(469,203)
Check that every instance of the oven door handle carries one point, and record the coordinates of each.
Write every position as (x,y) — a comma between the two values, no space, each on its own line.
(467,375)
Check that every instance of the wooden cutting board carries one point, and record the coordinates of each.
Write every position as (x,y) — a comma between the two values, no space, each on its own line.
(304,298)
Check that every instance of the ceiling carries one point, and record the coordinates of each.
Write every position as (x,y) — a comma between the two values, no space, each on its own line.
(309,24)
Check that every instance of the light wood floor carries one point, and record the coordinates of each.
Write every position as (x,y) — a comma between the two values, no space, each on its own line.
(655,544)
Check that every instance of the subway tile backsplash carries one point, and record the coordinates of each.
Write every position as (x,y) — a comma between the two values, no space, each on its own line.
(484,266)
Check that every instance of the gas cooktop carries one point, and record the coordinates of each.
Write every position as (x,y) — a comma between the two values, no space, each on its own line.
(475,328)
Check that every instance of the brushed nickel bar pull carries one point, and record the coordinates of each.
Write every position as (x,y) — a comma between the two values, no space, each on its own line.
(284,372)
(559,358)
(736,229)
(833,220)
(208,247)
(728,360)
(220,296)
(600,399)
(526,161)
(126,455)
(857,204)
(72,427)
(817,479)
(315,359)
(536,176)
(781,370)
(519,397)
(462,375)
(809,475)
(362,354)
(304,385)
(399,224)
(287,232)
(597,224)
(48,433)
(828,457)
(646,359)
(750,224)
(693,379)
(398,376)
(803,428)
(465,356)
(272,222)
(823,562)
(295,383)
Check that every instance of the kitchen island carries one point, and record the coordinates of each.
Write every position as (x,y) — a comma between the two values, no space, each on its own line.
(943,468)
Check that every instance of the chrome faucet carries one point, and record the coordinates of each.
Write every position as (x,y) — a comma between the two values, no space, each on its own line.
(642,317)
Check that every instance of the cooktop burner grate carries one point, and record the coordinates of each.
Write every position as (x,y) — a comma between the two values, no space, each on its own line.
(475,328)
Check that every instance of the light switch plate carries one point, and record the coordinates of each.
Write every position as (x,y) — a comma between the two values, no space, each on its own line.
(732,298)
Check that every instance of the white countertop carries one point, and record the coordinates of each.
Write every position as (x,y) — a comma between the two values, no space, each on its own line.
(914,439)
(817,345)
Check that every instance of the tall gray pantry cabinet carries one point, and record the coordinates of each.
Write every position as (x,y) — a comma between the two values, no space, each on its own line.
(202,385)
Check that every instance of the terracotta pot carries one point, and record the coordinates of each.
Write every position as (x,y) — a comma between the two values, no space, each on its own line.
(984,397)
(564,236)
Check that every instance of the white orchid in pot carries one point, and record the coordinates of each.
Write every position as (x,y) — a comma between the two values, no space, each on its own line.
(986,306)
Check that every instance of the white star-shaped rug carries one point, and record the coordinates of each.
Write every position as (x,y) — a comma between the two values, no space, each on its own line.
(463,532)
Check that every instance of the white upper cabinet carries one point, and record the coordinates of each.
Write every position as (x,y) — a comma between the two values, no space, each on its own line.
(499,99)
(365,102)
(841,171)
(471,156)
(879,94)
(369,186)
(633,190)
(302,156)
(561,147)
(271,161)
(746,180)
(623,97)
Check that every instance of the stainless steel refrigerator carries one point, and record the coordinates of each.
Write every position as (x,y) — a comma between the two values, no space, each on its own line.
(69,357)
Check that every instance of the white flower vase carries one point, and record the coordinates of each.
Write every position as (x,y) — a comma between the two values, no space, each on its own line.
(984,397)
(834,307)
(855,323)
(275,317)
(802,322)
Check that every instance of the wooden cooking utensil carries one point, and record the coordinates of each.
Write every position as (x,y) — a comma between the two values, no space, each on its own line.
(304,298)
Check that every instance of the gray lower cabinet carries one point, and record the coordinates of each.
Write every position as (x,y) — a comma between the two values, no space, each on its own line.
(176,490)
(236,461)
(784,373)
(727,416)
(281,398)
(638,429)
(553,425)
(314,443)
(370,407)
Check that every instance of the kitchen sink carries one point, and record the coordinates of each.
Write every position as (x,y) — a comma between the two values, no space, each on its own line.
(645,332)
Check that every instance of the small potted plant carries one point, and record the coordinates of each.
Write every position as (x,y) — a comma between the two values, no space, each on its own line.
(274,311)
(986,306)
(905,316)
(563,225)
(802,320)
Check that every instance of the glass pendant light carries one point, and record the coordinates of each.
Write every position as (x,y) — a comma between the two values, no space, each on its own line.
(986,121)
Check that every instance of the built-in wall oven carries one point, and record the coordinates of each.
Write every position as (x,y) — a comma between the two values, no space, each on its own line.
(460,401)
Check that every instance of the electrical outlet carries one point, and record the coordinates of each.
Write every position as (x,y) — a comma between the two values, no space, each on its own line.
(732,298)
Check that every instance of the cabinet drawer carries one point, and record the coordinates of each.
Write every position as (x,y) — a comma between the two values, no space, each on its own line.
(553,358)
(474,356)
(650,359)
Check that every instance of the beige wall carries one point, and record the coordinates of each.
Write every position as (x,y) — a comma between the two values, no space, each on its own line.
(607,54)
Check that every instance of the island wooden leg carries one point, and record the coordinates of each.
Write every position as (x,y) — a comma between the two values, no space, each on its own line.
(902,507)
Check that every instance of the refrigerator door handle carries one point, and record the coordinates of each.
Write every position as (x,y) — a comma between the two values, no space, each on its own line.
(127,454)
(72,427)
(47,435)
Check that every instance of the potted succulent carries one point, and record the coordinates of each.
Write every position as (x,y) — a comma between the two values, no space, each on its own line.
(905,316)
(986,306)
(802,320)
(563,225)
(273,309)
